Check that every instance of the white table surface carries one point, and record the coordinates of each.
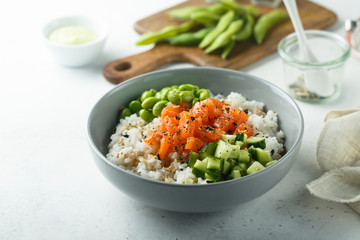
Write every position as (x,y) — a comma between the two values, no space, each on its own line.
(51,189)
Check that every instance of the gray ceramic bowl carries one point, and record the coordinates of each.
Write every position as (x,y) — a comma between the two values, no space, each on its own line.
(195,198)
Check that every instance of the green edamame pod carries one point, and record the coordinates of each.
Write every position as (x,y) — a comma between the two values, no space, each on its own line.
(187,96)
(125,113)
(217,9)
(187,39)
(184,12)
(233,5)
(146,115)
(225,38)
(252,10)
(135,106)
(169,31)
(223,23)
(228,49)
(247,30)
(158,107)
(174,96)
(204,94)
(146,95)
(204,17)
(149,102)
(266,22)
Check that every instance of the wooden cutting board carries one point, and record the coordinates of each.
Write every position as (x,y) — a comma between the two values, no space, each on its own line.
(244,53)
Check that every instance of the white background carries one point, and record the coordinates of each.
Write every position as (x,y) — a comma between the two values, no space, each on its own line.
(50,187)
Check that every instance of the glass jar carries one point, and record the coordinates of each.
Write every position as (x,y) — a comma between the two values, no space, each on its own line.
(314,81)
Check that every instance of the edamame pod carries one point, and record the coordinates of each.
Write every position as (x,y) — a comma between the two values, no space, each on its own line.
(184,12)
(158,107)
(169,31)
(233,5)
(225,38)
(228,49)
(247,30)
(204,17)
(223,23)
(187,39)
(252,10)
(217,9)
(266,22)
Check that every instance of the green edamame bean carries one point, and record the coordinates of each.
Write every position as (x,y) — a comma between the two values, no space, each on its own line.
(165,88)
(195,100)
(125,113)
(247,30)
(163,94)
(149,102)
(174,87)
(135,106)
(222,24)
(266,22)
(146,115)
(174,96)
(158,95)
(146,95)
(224,38)
(158,107)
(187,87)
(187,96)
(204,94)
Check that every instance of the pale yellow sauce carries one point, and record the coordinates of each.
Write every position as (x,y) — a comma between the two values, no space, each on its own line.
(73,35)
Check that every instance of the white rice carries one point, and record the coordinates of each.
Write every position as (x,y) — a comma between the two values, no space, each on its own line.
(128,150)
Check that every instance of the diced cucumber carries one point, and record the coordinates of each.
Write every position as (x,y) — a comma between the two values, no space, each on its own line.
(225,150)
(227,166)
(208,150)
(215,163)
(270,163)
(243,167)
(213,175)
(240,144)
(199,169)
(229,138)
(241,137)
(256,142)
(255,167)
(235,174)
(192,158)
(260,155)
(244,156)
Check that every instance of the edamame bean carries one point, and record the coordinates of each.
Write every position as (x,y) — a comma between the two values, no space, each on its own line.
(135,106)
(149,102)
(204,94)
(195,100)
(146,95)
(266,22)
(158,95)
(174,96)
(163,94)
(125,113)
(158,107)
(174,87)
(146,115)
(187,96)
(187,87)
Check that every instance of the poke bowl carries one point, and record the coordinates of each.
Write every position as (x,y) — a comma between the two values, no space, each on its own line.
(230,142)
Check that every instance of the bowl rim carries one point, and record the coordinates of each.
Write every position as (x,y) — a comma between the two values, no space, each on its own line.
(319,33)
(244,178)
(102,35)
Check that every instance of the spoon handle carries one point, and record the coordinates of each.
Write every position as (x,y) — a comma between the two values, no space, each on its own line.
(291,7)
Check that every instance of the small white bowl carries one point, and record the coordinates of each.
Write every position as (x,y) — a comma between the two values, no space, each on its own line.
(80,54)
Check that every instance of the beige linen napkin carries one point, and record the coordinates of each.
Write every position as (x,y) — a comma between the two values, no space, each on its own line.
(338,155)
